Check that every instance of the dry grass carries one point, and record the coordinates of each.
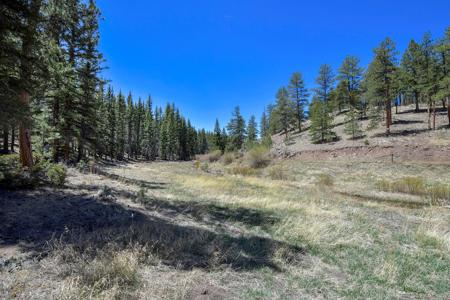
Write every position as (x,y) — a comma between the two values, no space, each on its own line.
(252,237)
(258,157)
(436,192)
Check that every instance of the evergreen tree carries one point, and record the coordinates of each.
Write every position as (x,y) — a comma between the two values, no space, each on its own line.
(299,96)
(236,130)
(284,112)
(352,125)
(264,125)
(350,76)
(121,127)
(443,50)
(409,70)
(252,131)
(321,119)
(218,141)
(325,82)
(381,81)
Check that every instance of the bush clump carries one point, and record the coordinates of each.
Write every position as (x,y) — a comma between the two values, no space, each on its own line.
(278,173)
(14,176)
(228,158)
(56,174)
(258,157)
(325,180)
(436,192)
(243,170)
(214,156)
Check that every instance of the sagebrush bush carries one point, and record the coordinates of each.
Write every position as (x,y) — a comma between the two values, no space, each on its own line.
(278,173)
(204,167)
(214,156)
(243,170)
(228,158)
(56,174)
(325,180)
(258,157)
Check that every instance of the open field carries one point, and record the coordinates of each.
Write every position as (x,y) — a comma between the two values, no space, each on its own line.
(169,230)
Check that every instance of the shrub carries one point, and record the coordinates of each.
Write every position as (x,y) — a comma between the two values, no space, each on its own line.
(205,167)
(258,157)
(197,164)
(14,176)
(228,158)
(278,173)
(408,185)
(56,174)
(436,192)
(243,170)
(325,180)
(214,156)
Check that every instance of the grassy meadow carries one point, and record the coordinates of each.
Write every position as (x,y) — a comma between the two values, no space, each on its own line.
(220,229)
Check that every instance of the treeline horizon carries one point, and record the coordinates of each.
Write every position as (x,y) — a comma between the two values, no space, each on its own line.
(54,100)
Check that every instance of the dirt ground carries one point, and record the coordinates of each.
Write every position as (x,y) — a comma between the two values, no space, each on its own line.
(410,140)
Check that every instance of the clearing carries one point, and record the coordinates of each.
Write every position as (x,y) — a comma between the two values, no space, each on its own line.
(167,230)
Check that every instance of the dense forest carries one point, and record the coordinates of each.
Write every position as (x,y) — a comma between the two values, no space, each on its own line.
(55,102)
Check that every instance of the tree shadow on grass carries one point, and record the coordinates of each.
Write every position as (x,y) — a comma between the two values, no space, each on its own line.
(200,211)
(33,220)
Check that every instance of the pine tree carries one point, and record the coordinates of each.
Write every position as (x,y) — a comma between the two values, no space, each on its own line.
(321,119)
(443,50)
(217,141)
(381,81)
(252,131)
(236,130)
(299,96)
(111,124)
(350,76)
(408,73)
(264,125)
(121,127)
(429,76)
(148,135)
(325,82)
(284,111)
(352,125)
(90,66)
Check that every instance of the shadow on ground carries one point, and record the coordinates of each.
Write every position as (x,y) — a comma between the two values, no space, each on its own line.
(33,220)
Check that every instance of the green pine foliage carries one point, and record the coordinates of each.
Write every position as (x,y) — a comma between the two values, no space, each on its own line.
(298,94)
(321,121)
(352,125)
(381,81)
(236,130)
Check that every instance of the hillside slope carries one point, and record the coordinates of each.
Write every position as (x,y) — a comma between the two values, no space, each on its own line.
(410,140)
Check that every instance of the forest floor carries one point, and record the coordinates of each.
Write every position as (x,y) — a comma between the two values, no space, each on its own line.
(169,230)
(410,140)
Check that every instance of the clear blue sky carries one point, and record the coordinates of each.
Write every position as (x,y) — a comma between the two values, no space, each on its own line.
(208,56)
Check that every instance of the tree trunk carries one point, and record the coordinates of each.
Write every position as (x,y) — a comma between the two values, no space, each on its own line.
(388,117)
(13,138)
(448,110)
(5,138)
(26,66)
(416,98)
(434,115)
(429,115)
(26,154)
